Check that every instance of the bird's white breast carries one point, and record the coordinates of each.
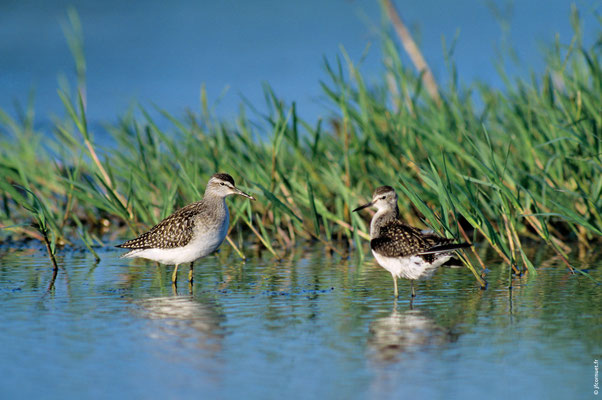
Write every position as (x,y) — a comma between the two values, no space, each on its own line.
(412,267)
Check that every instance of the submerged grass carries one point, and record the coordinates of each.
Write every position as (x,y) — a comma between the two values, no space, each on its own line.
(500,167)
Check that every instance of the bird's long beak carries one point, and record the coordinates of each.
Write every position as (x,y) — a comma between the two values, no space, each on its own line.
(243,194)
(364,206)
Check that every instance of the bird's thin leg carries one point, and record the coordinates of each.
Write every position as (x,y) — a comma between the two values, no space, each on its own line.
(190,272)
(412,284)
(395,283)
(174,276)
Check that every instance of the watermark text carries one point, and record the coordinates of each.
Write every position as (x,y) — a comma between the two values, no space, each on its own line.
(596,382)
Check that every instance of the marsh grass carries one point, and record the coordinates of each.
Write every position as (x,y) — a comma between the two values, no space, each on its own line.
(500,168)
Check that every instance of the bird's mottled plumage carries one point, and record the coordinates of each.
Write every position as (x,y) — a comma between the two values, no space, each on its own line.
(397,239)
(174,231)
(190,233)
(404,251)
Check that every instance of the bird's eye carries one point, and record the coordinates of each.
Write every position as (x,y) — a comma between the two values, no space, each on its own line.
(384,197)
(222,183)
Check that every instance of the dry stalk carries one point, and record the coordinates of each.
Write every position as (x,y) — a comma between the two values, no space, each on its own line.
(412,49)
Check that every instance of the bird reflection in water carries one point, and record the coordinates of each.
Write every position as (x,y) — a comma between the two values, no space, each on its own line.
(184,320)
(403,333)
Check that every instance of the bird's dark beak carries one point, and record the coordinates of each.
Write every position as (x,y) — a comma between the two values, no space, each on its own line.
(364,206)
(243,194)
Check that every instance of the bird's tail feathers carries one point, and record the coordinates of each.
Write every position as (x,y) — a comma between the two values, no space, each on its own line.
(446,247)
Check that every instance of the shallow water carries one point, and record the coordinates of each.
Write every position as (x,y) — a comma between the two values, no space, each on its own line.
(306,327)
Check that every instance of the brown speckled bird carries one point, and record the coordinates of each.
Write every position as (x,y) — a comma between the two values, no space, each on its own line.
(404,251)
(190,233)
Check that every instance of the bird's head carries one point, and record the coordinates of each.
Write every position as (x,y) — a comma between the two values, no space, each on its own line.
(222,185)
(384,197)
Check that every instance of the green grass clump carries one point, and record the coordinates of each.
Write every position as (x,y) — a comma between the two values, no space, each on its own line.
(502,167)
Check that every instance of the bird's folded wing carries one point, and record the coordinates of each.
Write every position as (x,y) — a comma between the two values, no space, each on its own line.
(174,231)
(397,239)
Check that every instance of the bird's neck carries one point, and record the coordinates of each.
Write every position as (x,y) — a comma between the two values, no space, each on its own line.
(215,205)
(381,218)
(213,198)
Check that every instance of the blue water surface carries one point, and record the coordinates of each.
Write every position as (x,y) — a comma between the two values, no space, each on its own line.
(156,52)
(307,327)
